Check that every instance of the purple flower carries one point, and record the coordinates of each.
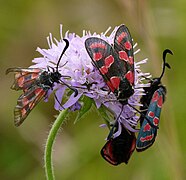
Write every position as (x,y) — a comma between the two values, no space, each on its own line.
(76,64)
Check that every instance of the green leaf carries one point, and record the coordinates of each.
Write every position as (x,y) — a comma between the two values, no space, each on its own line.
(106,115)
(87,104)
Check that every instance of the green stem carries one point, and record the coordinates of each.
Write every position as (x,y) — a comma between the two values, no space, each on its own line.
(49,144)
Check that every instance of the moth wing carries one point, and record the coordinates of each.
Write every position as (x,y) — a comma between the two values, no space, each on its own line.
(104,58)
(24,77)
(147,133)
(123,45)
(119,149)
(26,102)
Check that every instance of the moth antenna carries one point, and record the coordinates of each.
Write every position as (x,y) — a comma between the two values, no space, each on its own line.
(58,101)
(65,48)
(115,124)
(165,64)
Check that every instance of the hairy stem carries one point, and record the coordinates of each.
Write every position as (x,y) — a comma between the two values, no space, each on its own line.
(49,144)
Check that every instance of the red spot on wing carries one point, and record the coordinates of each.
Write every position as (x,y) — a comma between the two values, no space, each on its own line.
(151,114)
(34,75)
(160,102)
(108,153)
(128,45)
(123,55)
(103,70)
(38,91)
(156,121)
(146,138)
(97,45)
(21,81)
(130,77)
(111,87)
(147,127)
(121,37)
(25,101)
(97,56)
(115,82)
(133,147)
(155,96)
(109,61)
(23,112)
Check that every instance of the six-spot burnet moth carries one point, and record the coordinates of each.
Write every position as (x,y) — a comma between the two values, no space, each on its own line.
(119,149)
(35,83)
(115,63)
(152,103)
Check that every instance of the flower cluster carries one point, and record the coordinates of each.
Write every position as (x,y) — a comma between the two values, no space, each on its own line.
(78,71)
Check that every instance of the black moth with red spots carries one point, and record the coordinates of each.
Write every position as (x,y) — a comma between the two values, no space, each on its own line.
(115,63)
(150,111)
(35,83)
(119,149)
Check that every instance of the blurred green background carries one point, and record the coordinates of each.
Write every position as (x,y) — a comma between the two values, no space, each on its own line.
(155,25)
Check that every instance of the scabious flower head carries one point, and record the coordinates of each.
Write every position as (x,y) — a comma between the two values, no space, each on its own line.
(78,71)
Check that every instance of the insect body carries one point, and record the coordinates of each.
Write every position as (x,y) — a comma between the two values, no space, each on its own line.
(115,63)
(35,83)
(151,109)
(119,149)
